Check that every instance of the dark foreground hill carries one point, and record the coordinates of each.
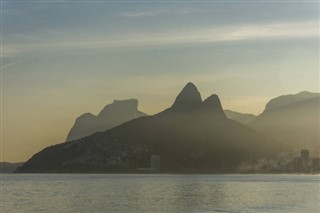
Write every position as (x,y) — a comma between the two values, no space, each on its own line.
(192,135)
(6,167)
(119,112)
(293,120)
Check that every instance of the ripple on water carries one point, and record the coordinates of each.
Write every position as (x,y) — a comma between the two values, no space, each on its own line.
(159,193)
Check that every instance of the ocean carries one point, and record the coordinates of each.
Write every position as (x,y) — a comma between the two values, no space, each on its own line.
(160,193)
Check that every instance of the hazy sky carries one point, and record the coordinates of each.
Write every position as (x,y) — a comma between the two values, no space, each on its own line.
(64,58)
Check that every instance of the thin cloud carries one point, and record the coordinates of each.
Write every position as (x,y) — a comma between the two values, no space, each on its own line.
(143,13)
(8,51)
(208,35)
(158,12)
(10,64)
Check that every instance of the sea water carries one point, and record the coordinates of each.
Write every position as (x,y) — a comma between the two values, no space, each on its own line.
(150,193)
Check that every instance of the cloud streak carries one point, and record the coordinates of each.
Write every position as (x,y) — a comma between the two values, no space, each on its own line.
(273,31)
(10,64)
(8,51)
(157,12)
(144,13)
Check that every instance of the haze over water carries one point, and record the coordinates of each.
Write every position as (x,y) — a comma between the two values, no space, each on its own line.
(159,193)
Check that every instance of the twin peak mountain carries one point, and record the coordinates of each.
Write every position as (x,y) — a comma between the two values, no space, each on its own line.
(191,135)
(189,99)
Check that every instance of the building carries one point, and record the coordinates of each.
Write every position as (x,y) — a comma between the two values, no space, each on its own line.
(155,163)
(304,157)
(304,163)
(297,164)
(316,165)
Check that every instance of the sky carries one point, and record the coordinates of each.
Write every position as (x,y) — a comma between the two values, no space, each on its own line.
(60,59)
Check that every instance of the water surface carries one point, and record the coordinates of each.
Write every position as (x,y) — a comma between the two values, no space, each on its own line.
(159,193)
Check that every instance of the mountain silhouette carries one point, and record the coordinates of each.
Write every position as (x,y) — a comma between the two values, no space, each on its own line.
(240,117)
(191,135)
(189,98)
(119,112)
(293,120)
(6,167)
(284,100)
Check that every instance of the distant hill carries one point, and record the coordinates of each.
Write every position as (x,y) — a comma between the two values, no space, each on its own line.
(284,100)
(119,112)
(240,117)
(293,120)
(191,135)
(6,167)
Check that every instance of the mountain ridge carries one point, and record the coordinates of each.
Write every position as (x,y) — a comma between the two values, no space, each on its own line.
(111,115)
(243,118)
(190,135)
(294,123)
(290,99)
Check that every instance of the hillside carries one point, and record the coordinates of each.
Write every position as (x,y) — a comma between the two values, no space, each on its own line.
(293,120)
(191,135)
(119,112)
(240,117)
(6,167)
